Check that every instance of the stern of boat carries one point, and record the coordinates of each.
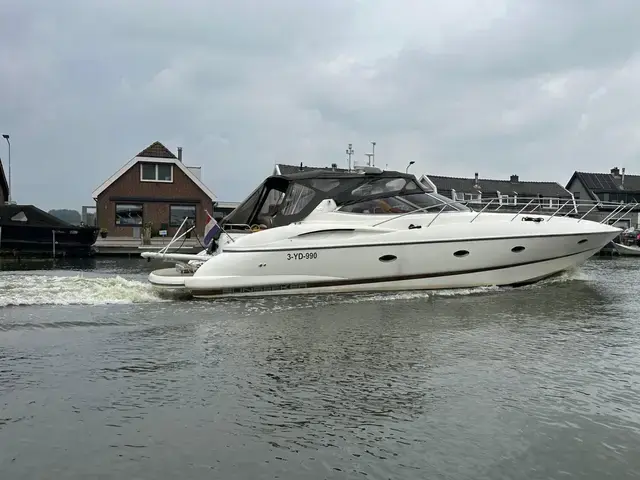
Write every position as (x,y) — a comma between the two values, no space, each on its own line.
(170,282)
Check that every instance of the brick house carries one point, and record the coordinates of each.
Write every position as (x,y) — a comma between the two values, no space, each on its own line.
(154,188)
(4,186)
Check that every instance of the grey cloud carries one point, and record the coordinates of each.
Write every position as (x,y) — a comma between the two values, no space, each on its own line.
(504,87)
(480,99)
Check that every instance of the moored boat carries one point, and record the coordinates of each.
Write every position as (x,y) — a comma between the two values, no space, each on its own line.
(27,231)
(627,250)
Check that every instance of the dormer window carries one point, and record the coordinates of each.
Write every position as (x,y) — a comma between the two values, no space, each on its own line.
(156,172)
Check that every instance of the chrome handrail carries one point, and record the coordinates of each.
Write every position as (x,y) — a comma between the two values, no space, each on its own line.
(522,209)
(616,210)
(590,210)
(558,209)
(421,209)
(570,207)
(626,212)
(490,202)
(437,215)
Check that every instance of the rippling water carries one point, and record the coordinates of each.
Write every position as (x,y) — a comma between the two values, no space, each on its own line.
(99,378)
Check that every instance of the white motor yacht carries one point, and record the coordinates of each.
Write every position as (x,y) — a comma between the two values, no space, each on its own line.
(324,231)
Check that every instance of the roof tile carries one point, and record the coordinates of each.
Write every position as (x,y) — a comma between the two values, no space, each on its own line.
(156,150)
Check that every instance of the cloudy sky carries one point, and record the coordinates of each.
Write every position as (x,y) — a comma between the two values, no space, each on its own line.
(537,88)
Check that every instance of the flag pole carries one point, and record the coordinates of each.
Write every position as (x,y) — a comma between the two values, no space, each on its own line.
(221,228)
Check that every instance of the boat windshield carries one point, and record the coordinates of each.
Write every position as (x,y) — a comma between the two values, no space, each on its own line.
(397,195)
(281,200)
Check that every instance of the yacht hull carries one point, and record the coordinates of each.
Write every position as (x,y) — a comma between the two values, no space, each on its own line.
(300,284)
(425,265)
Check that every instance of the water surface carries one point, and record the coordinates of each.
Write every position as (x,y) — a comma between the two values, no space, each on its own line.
(99,378)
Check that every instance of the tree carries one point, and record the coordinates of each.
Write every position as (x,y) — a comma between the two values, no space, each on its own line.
(70,216)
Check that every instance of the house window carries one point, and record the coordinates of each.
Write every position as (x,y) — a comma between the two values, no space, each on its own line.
(156,172)
(576,195)
(177,213)
(128,214)
(550,202)
(472,197)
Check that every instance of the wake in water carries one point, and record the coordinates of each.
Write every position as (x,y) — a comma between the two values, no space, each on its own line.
(29,289)
(18,289)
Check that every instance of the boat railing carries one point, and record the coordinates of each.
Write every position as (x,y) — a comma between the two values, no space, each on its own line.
(176,237)
(545,208)
(548,209)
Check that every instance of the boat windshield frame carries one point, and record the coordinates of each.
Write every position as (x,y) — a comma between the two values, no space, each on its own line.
(284,199)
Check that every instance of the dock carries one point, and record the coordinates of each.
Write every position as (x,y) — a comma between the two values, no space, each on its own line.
(133,247)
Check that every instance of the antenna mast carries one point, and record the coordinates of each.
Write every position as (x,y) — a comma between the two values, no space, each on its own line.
(369,155)
(373,153)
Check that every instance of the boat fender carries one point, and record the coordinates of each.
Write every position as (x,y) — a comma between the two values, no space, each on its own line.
(532,219)
(412,226)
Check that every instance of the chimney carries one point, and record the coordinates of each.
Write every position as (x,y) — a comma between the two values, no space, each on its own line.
(300,166)
(615,171)
(622,180)
(476,182)
(180,154)
(514,179)
(334,166)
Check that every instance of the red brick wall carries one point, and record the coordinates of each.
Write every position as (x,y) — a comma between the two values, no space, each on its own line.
(130,186)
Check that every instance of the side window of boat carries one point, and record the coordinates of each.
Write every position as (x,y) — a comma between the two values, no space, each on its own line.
(325,184)
(428,200)
(298,197)
(273,201)
(379,206)
(379,186)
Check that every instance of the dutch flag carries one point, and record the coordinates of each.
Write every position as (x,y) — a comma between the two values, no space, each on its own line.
(211,230)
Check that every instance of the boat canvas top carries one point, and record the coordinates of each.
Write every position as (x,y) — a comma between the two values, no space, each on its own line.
(29,215)
(285,199)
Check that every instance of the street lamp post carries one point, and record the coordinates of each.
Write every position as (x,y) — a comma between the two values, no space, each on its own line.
(410,163)
(349,152)
(6,137)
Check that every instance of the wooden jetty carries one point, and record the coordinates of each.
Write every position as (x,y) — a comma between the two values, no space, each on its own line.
(133,247)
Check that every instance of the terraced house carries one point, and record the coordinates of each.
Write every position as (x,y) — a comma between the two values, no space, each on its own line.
(505,195)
